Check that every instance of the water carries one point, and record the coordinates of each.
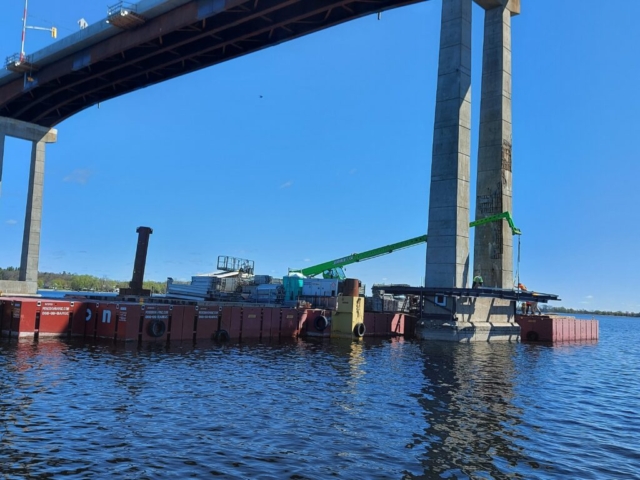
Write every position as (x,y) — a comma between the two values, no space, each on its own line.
(304,410)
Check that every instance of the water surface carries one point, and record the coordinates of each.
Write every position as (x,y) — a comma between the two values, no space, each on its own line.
(305,410)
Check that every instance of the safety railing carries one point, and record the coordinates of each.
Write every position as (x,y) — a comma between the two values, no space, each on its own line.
(121,8)
(13,59)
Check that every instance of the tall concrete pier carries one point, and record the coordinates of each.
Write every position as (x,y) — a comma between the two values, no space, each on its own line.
(453,316)
(38,136)
(448,231)
(493,244)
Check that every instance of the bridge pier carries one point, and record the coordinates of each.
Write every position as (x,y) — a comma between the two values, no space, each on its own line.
(456,318)
(448,233)
(2,135)
(493,244)
(39,136)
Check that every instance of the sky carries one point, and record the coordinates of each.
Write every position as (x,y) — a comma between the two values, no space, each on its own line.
(321,147)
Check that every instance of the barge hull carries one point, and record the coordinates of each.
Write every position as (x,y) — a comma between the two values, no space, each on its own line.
(557,329)
(148,322)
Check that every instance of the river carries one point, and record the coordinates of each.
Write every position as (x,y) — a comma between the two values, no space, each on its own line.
(380,409)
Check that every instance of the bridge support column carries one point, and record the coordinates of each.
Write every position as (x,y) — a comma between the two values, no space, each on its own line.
(39,136)
(454,318)
(33,217)
(2,135)
(448,246)
(493,244)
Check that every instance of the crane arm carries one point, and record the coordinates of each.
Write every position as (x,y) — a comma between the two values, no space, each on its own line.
(494,218)
(333,268)
(357,257)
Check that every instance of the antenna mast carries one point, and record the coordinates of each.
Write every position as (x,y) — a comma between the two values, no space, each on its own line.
(18,62)
(24,30)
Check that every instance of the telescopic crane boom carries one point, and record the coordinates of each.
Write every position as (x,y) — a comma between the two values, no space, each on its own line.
(333,268)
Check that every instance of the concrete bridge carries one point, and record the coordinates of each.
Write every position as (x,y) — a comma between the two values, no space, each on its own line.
(156,40)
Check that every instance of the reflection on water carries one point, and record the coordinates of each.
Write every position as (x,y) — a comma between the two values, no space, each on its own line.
(311,409)
(471,420)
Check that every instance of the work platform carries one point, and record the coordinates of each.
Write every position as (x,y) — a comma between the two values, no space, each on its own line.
(505,294)
(468,314)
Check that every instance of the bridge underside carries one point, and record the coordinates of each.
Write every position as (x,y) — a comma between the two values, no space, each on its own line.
(186,39)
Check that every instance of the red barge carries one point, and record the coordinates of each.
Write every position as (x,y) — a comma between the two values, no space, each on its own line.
(331,309)
(141,322)
(217,309)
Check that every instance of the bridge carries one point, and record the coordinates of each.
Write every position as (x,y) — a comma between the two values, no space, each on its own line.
(156,40)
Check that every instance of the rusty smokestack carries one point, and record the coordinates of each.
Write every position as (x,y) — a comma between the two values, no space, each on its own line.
(135,285)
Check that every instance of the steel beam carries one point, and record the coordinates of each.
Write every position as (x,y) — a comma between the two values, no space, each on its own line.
(103,71)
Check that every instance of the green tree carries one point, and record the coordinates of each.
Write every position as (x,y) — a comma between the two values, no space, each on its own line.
(85,282)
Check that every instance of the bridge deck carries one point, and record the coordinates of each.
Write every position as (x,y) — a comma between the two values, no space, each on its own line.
(178,37)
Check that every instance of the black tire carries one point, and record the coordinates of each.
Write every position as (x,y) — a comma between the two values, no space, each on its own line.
(222,336)
(156,328)
(359,330)
(321,323)
(532,336)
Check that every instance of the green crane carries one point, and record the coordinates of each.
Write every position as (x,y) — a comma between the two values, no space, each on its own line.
(495,218)
(333,268)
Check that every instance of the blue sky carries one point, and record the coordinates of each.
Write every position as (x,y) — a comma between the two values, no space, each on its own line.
(335,156)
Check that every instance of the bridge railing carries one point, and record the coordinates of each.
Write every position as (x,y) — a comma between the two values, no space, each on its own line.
(12,59)
(121,8)
(19,63)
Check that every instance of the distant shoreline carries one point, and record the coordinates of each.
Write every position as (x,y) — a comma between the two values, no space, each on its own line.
(592,312)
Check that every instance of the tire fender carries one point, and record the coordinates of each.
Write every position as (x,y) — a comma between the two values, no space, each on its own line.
(221,336)
(321,323)
(532,336)
(156,328)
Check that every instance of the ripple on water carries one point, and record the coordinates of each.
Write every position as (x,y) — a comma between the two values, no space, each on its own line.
(378,409)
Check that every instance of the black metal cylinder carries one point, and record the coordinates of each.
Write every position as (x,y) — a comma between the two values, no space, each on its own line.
(141,258)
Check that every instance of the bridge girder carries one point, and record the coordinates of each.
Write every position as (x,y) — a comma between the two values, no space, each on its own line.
(178,42)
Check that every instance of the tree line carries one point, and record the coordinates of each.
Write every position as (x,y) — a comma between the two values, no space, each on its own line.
(85,283)
(554,309)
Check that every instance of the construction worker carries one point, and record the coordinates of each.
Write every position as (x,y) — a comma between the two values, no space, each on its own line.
(524,307)
(477,281)
(528,307)
(534,308)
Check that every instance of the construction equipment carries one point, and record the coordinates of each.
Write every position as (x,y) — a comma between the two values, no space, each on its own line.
(495,218)
(514,231)
(333,269)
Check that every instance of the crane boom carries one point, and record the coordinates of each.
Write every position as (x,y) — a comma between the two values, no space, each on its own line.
(331,268)
(494,218)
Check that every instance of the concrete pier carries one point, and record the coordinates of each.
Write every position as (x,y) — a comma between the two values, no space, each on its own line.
(479,319)
(39,137)
(458,318)
(2,136)
(448,247)
(493,243)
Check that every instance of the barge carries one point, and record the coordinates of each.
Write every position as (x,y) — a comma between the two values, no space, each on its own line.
(234,304)
(121,321)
